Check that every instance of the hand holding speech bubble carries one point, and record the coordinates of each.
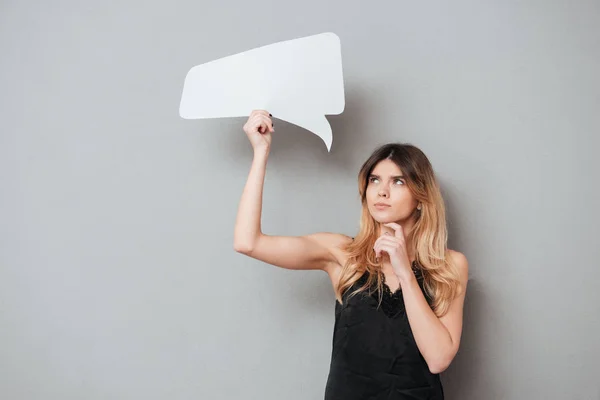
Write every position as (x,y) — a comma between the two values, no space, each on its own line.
(299,81)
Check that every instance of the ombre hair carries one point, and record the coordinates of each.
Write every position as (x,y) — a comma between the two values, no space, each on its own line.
(428,237)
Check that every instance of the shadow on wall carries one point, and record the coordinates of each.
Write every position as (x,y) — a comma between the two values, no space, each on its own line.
(294,146)
(467,369)
(352,143)
(467,377)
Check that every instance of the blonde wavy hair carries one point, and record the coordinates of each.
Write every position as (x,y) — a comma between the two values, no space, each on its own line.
(428,237)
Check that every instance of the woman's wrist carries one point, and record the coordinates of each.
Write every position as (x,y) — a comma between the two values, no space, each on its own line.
(261,153)
(406,278)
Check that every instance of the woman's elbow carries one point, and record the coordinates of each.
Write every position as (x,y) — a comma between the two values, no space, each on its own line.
(242,247)
(438,368)
(440,365)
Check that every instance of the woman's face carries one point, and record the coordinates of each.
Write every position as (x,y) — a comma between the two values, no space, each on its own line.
(388,197)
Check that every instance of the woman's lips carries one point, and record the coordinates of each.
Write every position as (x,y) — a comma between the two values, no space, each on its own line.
(381,206)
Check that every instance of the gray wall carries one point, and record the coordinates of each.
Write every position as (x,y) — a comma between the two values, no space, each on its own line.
(118,278)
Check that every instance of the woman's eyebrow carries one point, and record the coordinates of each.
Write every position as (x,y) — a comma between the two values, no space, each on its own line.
(392,177)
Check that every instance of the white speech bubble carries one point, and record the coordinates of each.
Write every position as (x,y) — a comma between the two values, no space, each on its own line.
(299,81)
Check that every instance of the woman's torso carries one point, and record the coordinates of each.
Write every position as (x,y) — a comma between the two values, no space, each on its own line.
(374,354)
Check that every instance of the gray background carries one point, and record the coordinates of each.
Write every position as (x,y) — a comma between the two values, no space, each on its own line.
(118,278)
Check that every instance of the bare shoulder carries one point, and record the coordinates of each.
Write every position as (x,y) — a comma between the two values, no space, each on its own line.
(461,263)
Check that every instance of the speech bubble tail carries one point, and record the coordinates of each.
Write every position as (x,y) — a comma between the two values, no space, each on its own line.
(317,124)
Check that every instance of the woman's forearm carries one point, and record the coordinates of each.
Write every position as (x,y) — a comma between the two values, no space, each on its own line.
(247,225)
(432,338)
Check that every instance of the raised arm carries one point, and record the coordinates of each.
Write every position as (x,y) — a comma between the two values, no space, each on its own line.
(315,251)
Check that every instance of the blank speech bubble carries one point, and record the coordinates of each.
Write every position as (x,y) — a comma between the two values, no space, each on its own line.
(299,81)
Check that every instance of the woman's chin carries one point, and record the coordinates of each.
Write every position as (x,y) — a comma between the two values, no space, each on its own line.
(383,219)
(387,218)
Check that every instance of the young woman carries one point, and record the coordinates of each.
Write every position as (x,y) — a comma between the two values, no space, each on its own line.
(399,289)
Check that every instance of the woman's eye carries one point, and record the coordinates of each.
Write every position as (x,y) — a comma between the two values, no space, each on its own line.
(374,180)
(399,182)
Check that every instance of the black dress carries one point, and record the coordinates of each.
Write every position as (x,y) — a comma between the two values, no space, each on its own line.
(375,356)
